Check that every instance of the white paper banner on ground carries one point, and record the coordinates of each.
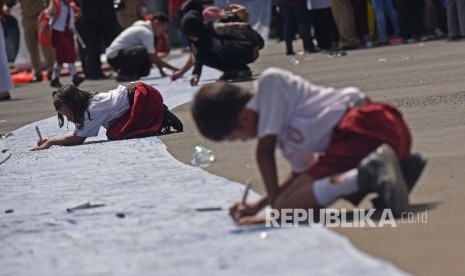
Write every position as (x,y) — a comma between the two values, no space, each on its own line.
(160,233)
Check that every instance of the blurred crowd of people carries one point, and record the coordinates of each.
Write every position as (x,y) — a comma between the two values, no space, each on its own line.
(352,24)
(133,33)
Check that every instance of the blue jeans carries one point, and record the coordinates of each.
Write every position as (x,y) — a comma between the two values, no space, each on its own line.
(381,7)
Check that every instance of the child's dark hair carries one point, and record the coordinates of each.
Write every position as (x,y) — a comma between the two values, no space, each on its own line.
(159,16)
(216,107)
(75,99)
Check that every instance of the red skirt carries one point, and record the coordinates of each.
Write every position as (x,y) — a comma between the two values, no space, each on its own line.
(143,119)
(63,43)
(362,130)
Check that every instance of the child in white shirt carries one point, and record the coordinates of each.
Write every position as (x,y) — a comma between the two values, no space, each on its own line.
(63,40)
(126,112)
(328,136)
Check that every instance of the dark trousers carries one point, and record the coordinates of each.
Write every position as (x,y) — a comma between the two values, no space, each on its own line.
(132,62)
(237,54)
(410,17)
(361,18)
(231,56)
(98,29)
(12,35)
(301,14)
(440,15)
(94,34)
(325,28)
(78,26)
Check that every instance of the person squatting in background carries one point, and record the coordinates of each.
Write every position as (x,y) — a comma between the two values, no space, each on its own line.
(133,52)
(226,43)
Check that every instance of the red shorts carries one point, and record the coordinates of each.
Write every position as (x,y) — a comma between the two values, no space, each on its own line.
(63,43)
(143,119)
(360,131)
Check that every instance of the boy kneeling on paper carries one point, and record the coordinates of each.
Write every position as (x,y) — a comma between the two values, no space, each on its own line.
(364,145)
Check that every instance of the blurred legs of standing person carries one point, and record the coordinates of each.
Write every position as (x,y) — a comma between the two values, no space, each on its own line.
(32,44)
(325,29)
(30,10)
(299,11)
(79,30)
(130,13)
(440,15)
(381,8)
(99,25)
(276,26)
(12,36)
(410,17)
(344,19)
(359,8)
(94,34)
(5,78)
(456,18)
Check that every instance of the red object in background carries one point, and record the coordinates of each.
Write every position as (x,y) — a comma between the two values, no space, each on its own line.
(162,45)
(175,5)
(44,30)
(22,77)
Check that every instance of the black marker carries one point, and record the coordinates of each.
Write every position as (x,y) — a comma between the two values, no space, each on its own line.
(38,133)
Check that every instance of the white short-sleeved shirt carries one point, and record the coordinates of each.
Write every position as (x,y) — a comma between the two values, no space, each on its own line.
(318,4)
(138,34)
(103,109)
(302,115)
(60,23)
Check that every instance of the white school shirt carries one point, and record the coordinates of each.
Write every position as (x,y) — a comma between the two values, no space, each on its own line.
(60,23)
(302,115)
(318,4)
(103,109)
(138,34)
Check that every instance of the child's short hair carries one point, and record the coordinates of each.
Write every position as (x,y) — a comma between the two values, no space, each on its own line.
(159,16)
(75,99)
(216,107)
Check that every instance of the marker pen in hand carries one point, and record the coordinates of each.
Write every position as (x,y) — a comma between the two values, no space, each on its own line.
(38,133)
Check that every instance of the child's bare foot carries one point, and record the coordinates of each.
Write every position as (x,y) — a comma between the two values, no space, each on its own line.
(250,220)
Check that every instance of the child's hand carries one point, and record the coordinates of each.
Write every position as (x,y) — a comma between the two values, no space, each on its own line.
(194,80)
(249,220)
(176,75)
(239,210)
(50,11)
(42,144)
(162,72)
